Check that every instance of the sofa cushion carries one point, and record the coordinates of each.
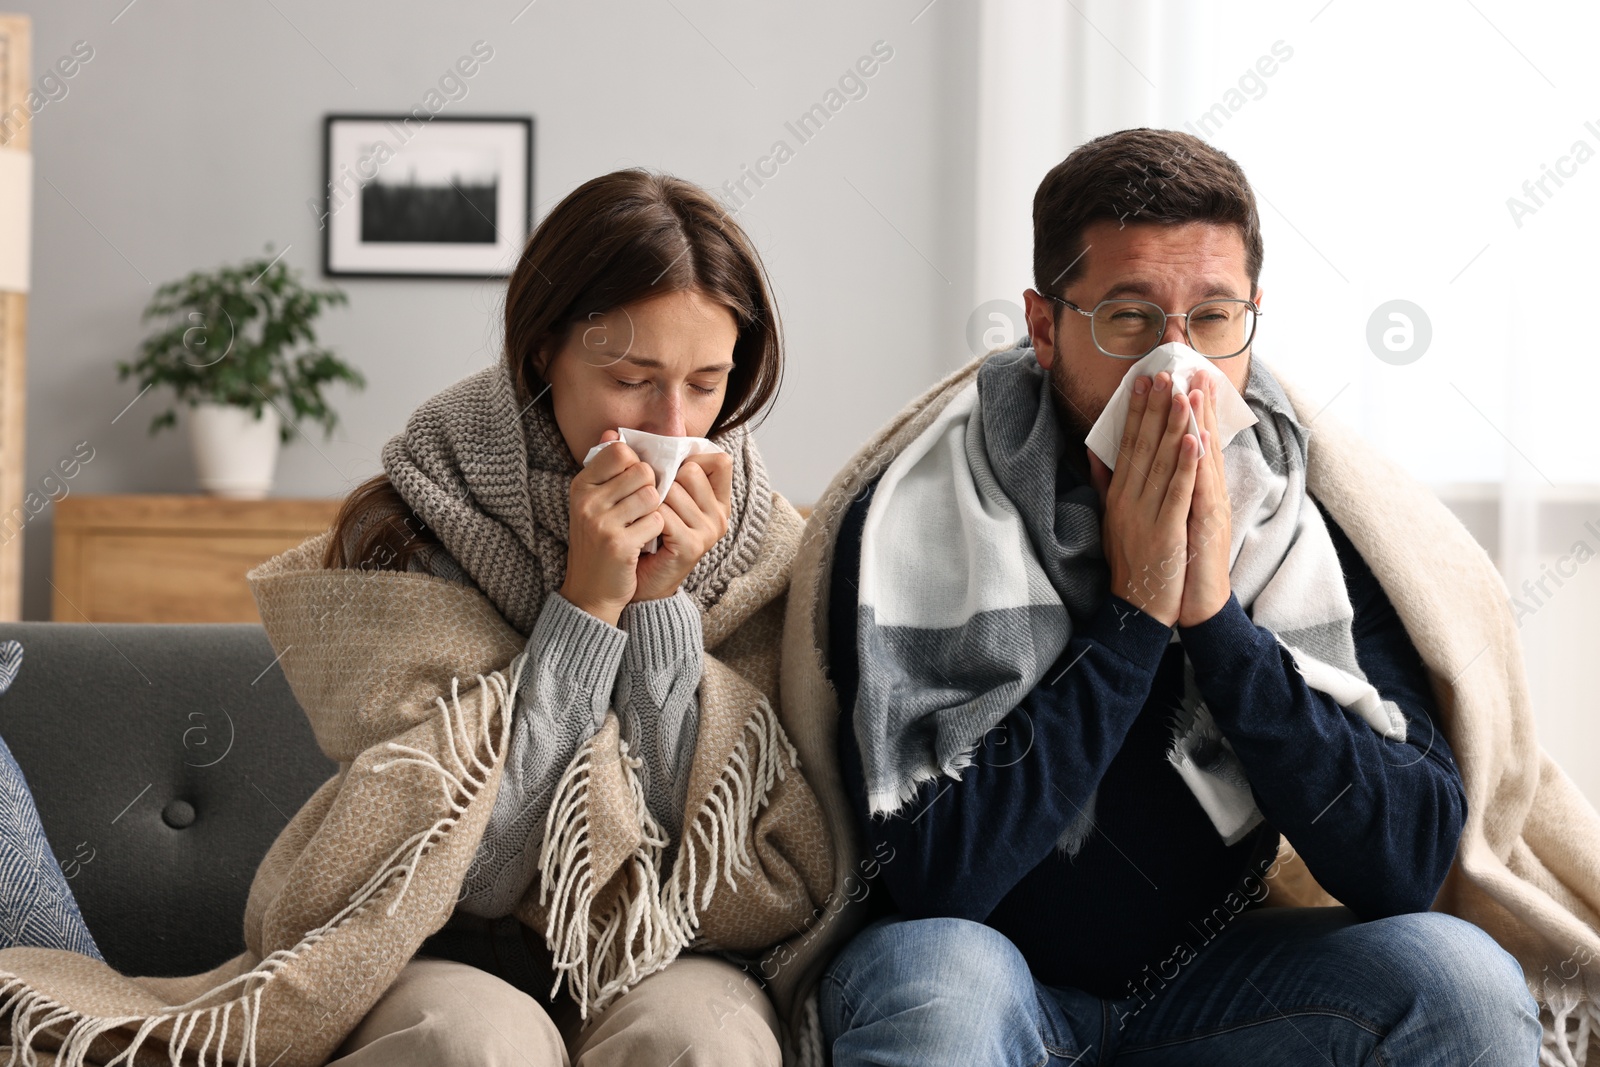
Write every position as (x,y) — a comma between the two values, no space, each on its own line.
(164,759)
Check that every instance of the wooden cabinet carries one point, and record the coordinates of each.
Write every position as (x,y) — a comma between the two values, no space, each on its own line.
(142,557)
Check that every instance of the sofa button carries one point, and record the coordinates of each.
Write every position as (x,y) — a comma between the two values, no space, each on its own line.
(178,814)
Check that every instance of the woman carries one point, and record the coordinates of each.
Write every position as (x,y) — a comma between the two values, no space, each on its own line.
(645,798)
(636,304)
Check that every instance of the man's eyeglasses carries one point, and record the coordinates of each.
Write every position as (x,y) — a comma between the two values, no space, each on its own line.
(1131,329)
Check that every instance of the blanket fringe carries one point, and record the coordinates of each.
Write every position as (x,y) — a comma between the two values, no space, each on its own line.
(808,1042)
(19,1005)
(644,929)
(1562,1046)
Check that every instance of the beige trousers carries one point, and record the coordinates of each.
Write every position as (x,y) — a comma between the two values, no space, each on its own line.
(696,1011)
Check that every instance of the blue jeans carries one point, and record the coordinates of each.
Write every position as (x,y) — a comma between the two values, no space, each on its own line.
(1276,986)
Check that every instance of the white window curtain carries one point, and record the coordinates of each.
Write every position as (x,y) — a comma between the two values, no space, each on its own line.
(1444,154)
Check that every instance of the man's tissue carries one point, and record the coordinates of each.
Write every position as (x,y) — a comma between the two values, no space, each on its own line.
(664,454)
(1183,363)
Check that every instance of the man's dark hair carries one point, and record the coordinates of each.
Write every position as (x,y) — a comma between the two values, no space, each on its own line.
(1140,175)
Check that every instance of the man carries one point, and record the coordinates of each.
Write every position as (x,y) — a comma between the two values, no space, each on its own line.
(1071,745)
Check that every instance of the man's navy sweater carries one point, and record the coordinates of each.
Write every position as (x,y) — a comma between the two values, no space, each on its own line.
(1376,822)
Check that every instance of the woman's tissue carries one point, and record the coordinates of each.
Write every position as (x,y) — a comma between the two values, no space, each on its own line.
(664,454)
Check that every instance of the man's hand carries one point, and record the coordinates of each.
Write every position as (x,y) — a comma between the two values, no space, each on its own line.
(1147,500)
(1206,584)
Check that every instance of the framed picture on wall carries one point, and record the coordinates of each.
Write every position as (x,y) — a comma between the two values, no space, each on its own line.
(425,196)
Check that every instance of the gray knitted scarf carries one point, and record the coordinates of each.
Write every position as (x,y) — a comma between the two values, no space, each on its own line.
(490,474)
(981,554)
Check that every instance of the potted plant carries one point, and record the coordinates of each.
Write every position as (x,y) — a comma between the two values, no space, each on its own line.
(237,346)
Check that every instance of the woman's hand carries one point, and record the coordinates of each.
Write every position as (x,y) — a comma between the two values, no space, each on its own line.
(694,517)
(614,515)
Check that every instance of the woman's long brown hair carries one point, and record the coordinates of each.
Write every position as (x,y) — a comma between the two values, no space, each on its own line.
(613,240)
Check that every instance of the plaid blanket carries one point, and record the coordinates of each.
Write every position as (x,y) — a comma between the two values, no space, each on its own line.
(981,553)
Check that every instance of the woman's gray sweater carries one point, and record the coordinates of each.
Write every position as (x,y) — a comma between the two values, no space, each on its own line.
(647,667)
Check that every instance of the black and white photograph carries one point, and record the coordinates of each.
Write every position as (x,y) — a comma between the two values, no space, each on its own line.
(444,197)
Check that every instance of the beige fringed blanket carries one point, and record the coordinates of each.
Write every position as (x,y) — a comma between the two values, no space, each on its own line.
(408,680)
(1528,866)
(1527,869)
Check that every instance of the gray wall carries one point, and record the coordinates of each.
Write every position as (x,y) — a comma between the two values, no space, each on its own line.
(194,137)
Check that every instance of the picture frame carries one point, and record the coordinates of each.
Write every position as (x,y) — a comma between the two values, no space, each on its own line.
(414,195)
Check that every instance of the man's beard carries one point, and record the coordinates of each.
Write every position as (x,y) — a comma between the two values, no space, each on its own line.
(1076,411)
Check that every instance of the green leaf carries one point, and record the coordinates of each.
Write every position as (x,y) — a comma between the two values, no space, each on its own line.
(237,334)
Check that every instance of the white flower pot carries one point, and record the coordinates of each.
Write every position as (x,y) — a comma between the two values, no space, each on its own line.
(235,453)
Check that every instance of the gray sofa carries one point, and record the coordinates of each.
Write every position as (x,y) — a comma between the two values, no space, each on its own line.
(164,760)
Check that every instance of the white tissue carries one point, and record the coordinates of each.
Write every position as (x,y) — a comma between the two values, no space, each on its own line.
(1182,362)
(664,454)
